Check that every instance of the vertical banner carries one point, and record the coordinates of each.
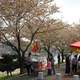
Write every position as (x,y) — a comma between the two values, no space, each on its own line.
(35,46)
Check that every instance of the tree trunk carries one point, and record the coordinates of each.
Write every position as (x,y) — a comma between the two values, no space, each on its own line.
(20,57)
(62,57)
(21,70)
(21,65)
(50,57)
(53,69)
(61,50)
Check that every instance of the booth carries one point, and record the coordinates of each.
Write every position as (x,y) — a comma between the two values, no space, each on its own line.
(75,46)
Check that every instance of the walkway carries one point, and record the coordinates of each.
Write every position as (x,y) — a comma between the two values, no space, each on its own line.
(60,70)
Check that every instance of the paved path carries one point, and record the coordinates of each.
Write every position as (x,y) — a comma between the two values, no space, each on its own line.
(62,71)
(53,77)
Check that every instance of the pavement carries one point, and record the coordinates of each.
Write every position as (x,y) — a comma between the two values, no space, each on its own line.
(60,70)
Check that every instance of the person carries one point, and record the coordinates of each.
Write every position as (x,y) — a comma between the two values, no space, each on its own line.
(28,63)
(79,62)
(58,60)
(67,70)
(49,67)
(53,69)
(74,64)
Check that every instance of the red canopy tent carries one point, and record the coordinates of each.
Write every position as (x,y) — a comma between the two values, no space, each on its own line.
(76,46)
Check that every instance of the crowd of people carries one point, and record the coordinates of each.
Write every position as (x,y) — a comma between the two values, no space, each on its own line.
(72,64)
(29,65)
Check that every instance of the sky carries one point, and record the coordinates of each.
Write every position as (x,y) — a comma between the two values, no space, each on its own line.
(69,10)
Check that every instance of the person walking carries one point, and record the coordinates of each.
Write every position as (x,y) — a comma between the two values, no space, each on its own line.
(74,64)
(49,67)
(28,63)
(67,70)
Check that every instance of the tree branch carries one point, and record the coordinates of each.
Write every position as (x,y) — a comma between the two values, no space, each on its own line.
(31,40)
(9,43)
(4,20)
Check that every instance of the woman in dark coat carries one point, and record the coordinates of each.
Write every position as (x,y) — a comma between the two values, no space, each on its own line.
(67,70)
(28,63)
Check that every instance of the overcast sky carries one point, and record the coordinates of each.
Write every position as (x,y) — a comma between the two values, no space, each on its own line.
(70,10)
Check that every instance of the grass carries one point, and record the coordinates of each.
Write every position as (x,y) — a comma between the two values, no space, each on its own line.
(3,75)
(18,77)
(21,77)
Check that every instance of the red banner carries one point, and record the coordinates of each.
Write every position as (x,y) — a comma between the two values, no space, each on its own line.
(35,46)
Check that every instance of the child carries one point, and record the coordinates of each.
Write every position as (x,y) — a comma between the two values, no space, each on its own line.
(49,67)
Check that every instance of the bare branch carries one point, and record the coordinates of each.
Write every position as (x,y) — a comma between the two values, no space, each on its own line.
(9,43)
(4,20)
(31,39)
